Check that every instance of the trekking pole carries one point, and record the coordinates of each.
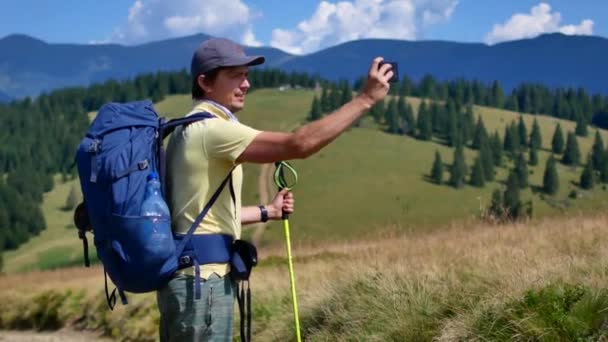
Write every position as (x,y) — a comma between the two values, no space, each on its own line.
(279,180)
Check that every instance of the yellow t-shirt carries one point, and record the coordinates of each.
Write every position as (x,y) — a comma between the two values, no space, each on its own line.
(199,157)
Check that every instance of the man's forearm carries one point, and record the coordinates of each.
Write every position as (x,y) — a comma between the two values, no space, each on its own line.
(320,133)
(253,214)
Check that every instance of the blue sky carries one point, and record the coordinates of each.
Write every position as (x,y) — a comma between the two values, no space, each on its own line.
(300,26)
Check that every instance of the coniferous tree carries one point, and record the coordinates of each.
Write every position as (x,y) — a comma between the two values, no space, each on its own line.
(477,174)
(408,121)
(480,134)
(325,103)
(315,110)
(572,154)
(533,156)
(511,197)
(347,93)
(535,136)
(557,143)
(496,205)
(454,135)
(581,127)
(522,132)
(437,170)
(587,179)
(497,149)
(521,170)
(391,118)
(458,169)
(550,177)
(487,160)
(604,169)
(423,123)
(468,125)
(597,151)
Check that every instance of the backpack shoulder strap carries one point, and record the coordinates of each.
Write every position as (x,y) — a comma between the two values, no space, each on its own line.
(201,216)
(168,127)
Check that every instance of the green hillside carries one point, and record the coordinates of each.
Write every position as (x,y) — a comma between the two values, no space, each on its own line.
(365,184)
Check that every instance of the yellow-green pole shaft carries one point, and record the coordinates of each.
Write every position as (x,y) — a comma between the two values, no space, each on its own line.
(292,280)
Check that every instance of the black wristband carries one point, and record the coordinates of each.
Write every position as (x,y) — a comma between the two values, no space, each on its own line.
(263,213)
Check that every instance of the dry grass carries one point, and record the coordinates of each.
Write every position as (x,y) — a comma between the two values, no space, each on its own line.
(418,286)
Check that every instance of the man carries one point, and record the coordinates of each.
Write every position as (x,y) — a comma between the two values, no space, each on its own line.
(202,154)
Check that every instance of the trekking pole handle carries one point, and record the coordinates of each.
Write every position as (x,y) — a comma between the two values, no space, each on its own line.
(281,182)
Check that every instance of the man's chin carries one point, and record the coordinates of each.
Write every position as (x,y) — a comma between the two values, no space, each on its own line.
(237,106)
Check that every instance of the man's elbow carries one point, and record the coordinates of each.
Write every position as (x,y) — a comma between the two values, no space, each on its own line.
(300,147)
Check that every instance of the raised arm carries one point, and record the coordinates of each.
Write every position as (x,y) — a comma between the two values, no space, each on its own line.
(269,147)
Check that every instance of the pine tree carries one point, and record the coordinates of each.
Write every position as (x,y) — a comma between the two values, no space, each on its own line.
(477,174)
(408,121)
(453,133)
(335,98)
(521,170)
(377,111)
(550,177)
(522,132)
(315,110)
(604,169)
(533,156)
(468,125)
(511,140)
(535,136)
(437,170)
(325,104)
(487,160)
(587,179)
(511,196)
(480,134)
(581,127)
(458,169)
(347,93)
(497,150)
(392,118)
(425,128)
(572,154)
(496,205)
(557,143)
(597,151)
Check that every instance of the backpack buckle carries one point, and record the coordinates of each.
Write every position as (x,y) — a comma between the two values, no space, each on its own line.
(94,147)
(142,165)
(185,260)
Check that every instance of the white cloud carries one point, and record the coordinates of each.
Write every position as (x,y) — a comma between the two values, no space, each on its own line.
(540,20)
(334,23)
(158,19)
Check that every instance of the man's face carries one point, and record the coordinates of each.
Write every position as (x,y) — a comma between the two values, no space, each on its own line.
(229,88)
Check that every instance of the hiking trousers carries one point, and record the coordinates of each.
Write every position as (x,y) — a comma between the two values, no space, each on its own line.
(186,319)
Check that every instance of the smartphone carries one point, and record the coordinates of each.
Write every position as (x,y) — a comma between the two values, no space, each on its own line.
(395,70)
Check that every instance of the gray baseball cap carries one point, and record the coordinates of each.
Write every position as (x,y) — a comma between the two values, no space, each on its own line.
(219,52)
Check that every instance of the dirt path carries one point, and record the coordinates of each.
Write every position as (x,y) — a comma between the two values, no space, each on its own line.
(55,336)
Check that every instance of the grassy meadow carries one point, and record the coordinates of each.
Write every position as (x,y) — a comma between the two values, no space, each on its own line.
(381,254)
(531,281)
(364,185)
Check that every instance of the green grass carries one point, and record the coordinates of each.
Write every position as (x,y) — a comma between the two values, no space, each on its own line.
(364,183)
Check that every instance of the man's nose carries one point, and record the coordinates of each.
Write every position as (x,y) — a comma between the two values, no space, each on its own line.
(245,84)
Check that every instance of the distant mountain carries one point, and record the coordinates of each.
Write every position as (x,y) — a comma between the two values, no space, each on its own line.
(554,60)
(29,66)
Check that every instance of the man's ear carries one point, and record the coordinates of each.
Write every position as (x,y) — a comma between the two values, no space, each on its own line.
(202,82)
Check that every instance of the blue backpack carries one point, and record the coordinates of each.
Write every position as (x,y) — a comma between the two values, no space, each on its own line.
(122,146)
